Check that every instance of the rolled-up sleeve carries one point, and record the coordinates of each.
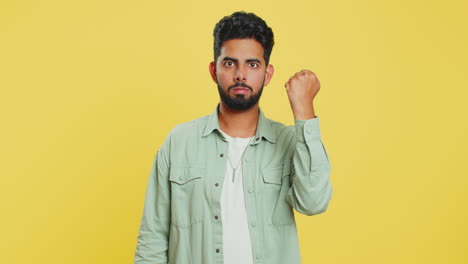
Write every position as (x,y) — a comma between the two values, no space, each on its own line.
(311,189)
(153,237)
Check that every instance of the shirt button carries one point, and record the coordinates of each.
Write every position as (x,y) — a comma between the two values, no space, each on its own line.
(217,250)
(250,190)
(252,224)
(221,155)
(216,217)
(216,184)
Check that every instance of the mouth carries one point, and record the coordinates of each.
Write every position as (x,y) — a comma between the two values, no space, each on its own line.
(240,90)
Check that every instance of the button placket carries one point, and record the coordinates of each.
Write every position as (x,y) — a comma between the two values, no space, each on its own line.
(218,171)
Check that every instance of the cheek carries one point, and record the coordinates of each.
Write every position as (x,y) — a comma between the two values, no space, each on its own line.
(258,78)
(223,77)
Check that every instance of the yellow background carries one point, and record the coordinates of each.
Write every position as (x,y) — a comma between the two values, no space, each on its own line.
(90,89)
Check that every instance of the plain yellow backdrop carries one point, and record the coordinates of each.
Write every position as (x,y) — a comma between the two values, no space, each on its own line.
(90,89)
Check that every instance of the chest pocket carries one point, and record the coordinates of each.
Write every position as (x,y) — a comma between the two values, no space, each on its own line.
(187,192)
(272,175)
(277,209)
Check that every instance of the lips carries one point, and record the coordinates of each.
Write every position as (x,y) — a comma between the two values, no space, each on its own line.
(240,90)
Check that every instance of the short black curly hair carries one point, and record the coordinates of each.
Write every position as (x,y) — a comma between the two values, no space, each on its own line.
(241,25)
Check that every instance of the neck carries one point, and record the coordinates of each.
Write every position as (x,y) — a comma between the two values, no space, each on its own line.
(238,123)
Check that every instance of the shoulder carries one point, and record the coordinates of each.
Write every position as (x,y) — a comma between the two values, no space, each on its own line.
(281,128)
(189,128)
(182,134)
(282,132)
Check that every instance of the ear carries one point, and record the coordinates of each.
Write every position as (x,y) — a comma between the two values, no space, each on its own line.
(268,74)
(212,69)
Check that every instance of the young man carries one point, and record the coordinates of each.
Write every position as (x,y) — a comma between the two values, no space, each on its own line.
(223,186)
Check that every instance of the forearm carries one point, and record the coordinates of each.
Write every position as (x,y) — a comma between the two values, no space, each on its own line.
(311,188)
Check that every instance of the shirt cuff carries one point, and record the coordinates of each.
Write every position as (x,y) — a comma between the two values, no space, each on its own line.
(307,130)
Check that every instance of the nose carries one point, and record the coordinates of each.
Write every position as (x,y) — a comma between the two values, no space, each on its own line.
(239,76)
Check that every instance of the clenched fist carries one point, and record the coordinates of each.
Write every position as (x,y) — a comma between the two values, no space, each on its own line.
(302,88)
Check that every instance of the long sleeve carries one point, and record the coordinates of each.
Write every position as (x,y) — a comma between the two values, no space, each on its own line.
(153,237)
(311,188)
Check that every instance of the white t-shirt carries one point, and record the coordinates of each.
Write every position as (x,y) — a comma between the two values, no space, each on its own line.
(236,238)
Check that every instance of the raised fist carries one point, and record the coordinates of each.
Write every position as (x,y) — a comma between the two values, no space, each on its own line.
(302,88)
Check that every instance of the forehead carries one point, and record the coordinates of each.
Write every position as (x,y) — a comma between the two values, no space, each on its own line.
(241,49)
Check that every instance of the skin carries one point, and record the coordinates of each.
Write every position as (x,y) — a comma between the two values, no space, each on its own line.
(241,61)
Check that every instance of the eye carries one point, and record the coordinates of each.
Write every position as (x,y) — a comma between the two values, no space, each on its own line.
(228,63)
(253,65)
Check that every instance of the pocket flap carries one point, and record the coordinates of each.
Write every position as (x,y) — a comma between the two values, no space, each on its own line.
(272,175)
(182,175)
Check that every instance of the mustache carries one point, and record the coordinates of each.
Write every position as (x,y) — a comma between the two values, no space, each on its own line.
(240,85)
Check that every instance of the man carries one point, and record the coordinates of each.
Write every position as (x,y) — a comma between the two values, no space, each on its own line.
(223,186)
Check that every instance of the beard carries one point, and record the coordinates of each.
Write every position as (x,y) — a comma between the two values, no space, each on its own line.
(239,102)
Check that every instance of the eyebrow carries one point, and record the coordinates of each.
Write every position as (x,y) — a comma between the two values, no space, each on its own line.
(248,60)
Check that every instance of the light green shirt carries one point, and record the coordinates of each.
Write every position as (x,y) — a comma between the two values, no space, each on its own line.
(284,167)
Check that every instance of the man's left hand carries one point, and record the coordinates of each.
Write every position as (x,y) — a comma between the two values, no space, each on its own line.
(301,89)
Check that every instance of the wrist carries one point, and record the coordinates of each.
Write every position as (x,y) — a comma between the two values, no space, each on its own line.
(304,114)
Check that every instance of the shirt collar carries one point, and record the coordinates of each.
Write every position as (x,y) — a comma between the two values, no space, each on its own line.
(264,127)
